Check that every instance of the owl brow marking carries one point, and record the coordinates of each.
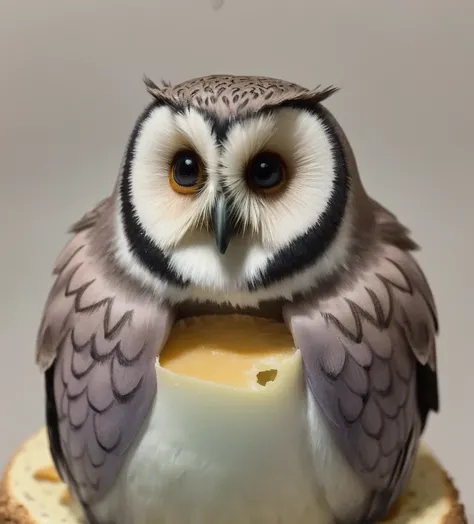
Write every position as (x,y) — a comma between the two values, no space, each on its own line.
(220,128)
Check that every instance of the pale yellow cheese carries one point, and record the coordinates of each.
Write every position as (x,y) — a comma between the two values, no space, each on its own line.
(235,350)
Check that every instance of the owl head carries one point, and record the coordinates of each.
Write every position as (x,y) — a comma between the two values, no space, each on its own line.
(238,189)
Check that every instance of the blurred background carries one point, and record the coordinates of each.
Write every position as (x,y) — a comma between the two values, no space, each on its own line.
(71,88)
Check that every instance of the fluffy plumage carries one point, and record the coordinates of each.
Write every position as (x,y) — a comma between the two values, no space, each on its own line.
(179,226)
(320,255)
(105,342)
(370,357)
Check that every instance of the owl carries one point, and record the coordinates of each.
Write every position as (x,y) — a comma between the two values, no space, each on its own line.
(239,194)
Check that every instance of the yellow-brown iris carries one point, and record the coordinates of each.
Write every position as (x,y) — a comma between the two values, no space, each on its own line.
(186,172)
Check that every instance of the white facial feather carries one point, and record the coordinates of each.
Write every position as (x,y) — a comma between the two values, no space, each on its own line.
(218,279)
(243,143)
(301,140)
(166,215)
(172,219)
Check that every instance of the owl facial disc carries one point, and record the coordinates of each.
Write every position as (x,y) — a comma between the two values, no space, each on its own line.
(246,203)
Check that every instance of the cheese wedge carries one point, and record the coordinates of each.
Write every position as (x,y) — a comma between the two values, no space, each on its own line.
(240,351)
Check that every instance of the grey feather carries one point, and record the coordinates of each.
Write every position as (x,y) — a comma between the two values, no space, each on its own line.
(238,94)
(361,349)
(104,341)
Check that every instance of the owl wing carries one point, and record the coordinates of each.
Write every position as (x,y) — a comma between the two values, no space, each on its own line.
(98,346)
(370,361)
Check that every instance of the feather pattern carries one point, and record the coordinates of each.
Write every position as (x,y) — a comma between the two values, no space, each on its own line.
(236,94)
(362,350)
(103,343)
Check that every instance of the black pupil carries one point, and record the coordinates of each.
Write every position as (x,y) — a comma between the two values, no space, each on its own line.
(266,170)
(186,170)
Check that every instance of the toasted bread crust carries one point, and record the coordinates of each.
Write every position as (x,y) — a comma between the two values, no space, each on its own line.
(14,511)
(456,514)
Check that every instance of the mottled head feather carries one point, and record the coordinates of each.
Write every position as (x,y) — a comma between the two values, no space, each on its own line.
(229,94)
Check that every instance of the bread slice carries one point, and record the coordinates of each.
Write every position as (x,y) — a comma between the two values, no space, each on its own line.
(31,492)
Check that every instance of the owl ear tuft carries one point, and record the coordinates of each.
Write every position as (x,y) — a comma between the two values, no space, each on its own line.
(307,98)
(314,96)
(159,93)
(318,95)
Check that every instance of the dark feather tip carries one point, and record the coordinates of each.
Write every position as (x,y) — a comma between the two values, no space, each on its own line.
(150,85)
(319,95)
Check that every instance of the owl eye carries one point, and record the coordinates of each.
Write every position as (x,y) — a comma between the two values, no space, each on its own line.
(266,172)
(186,172)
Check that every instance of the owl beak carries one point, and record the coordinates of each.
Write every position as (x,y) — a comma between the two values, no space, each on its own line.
(221,223)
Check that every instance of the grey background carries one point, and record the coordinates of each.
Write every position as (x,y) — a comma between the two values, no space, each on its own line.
(71,88)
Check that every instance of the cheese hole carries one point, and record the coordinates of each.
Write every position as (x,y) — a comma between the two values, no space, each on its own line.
(269,375)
